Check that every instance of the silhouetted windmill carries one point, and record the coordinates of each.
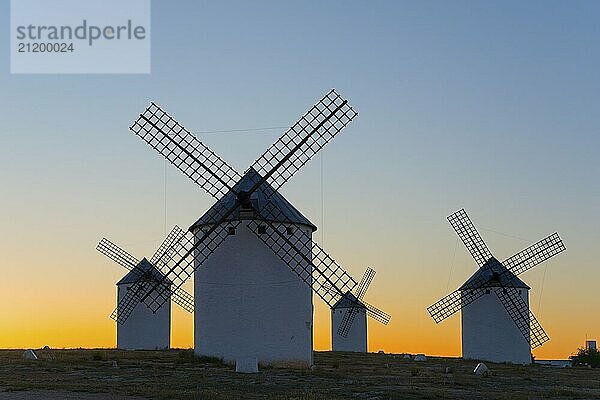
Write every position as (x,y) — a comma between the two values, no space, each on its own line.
(499,296)
(151,328)
(350,307)
(253,198)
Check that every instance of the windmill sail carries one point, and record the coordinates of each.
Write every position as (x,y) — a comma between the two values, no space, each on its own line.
(275,167)
(499,277)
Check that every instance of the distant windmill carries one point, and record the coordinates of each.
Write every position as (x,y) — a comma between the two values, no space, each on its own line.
(247,303)
(498,325)
(146,329)
(354,338)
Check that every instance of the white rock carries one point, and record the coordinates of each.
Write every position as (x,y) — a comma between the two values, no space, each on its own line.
(481,369)
(420,357)
(246,365)
(408,357)
(29,355)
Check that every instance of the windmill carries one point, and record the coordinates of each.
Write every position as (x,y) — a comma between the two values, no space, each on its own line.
(498,325)
(253,201)
(354,338)
(146,329)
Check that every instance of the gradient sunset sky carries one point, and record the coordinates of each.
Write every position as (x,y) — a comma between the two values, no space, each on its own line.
(488,106)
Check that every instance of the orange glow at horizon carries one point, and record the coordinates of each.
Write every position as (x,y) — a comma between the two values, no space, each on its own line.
(91,328)
(461,106)
(62,296)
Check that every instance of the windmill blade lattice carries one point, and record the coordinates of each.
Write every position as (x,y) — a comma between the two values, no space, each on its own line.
(535,254)
(372,311)
(515,306)
(465,229)
(524,319)
(205,168)
(517,264)
(317,272)
(347,321)
(135,293)
(117,254)
(304,139)
(294,149)
(180,296)
(350,314)
(166,248)
(134,296)
(458,299)
(358,302)
(187,256)
(185,151)
(163,255)
(183,299)
(365,282)
(452,303)
(377,314)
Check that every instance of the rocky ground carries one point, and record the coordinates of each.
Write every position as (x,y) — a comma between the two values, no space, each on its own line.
(177,374)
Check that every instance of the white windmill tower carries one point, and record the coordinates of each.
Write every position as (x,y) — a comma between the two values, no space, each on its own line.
(353,337)
(146,329)
(497,324)
(255,249)
(243,280)
(356,338)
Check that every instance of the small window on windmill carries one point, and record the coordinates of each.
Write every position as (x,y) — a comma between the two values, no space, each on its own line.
(231,230)
(246,211)
(262,229)
(247,208)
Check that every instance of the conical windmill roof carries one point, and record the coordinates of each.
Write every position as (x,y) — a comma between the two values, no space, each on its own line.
(493,274)
(348,301)
(273,202)
(151,273)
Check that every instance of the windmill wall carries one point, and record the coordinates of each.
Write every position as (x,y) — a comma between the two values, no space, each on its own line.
(490,334)
(144,330)
(356,340)
(249,304)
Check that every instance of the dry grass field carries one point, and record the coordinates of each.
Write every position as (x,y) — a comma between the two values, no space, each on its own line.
(176,374)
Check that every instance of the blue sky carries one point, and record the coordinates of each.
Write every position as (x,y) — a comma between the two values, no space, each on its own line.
(488,106)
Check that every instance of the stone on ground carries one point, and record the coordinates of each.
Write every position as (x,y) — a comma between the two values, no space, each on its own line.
(29,355)
(481,369)
(246,365)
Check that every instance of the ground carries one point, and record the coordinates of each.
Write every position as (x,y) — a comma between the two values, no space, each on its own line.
(177,374)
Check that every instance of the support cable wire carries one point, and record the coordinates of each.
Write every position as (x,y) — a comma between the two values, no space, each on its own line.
(452,264)
(542,289)
(214,132)
(322,206)
(165,188)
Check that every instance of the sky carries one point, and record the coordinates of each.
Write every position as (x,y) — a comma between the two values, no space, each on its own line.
(488,106)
